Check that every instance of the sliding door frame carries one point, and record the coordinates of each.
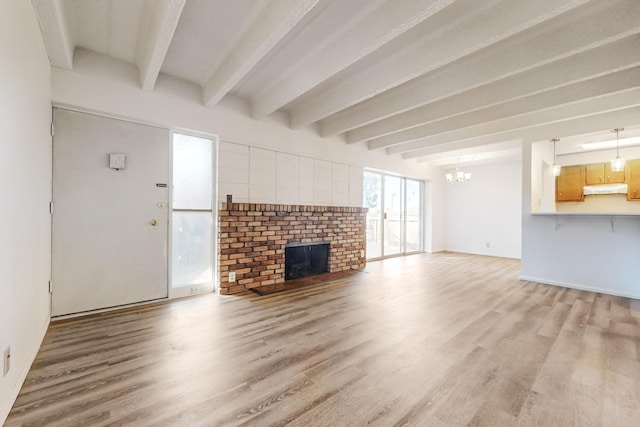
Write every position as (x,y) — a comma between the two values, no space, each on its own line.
(403,215)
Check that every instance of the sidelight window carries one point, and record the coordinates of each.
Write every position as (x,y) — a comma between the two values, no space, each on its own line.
(192,215)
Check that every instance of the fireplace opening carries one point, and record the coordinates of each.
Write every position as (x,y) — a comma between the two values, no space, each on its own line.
(305,259)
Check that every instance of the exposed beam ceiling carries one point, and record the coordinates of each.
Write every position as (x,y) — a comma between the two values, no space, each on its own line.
(560,129)
(549,101)
(416,79)
(576,68)
(357,38)
(155,38)
(55,32)
(274,24)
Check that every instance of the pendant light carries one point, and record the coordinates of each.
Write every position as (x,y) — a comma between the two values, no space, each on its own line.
(617,164)
(556,168)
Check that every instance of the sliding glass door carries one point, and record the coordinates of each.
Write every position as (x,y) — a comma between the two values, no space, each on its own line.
(394,220)
(372,199)
(413,215)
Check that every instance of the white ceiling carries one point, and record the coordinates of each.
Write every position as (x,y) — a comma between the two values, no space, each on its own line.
(433,80)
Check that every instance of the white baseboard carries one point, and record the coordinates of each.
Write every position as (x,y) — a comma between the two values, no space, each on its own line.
(581,287)
(5,407)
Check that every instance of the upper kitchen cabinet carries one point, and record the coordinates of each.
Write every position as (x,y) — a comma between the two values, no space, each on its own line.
(601,173)
(570,184)
(633,179)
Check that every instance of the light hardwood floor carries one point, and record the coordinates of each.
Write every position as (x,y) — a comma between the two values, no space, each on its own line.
(426,340)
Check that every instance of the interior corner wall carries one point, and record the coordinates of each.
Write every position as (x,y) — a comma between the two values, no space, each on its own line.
(25,171)
(591,252)
(483,215)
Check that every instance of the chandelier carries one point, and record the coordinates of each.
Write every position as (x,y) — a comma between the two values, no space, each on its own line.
(459,176)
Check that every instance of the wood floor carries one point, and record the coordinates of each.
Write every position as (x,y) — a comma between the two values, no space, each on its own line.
(425,340)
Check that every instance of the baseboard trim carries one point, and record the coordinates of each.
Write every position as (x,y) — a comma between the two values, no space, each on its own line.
(581,287)
(6,406)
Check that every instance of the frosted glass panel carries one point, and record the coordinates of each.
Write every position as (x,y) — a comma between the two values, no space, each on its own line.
(192,246)
(192,172)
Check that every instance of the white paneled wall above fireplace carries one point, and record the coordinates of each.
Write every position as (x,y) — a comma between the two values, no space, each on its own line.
(258,175)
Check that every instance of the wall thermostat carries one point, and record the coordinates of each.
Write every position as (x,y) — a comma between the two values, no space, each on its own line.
(117,161)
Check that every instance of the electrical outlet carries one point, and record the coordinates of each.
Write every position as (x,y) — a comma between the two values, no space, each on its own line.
(7,360)
(361,253)
(488,244)
(232,276)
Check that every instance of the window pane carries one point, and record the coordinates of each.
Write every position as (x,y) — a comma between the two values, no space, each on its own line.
(372,197)
(393,215)
(192,249)
(192,172)
(413,225)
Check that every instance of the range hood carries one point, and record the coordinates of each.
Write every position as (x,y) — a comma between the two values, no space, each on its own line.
(605,189)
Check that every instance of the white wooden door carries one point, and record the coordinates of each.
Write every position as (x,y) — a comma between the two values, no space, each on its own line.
(106,249)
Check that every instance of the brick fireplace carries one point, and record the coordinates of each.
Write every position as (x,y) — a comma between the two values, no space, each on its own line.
(252,239)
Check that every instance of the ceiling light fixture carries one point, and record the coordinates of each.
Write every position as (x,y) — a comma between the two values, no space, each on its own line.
(617,164)
(556,168)
(602,145)
(459,176)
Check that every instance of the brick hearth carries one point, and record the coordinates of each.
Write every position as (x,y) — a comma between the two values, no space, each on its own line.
(252,238)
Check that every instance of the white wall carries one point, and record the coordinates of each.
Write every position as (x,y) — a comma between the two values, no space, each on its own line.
(105,87)
(100,85)
(593,252)
(543,184)
(25,173)
(482,216)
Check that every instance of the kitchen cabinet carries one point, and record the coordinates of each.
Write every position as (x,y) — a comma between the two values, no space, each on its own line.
(570,184)
(633,179)
(601,173)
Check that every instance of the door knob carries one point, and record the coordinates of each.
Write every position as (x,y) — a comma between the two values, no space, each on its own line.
(153,222)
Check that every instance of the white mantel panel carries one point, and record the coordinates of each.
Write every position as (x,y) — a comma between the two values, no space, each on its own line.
(340,184)
(233,171)
(262,175)
(322,182)
(287,183)
(306,181)
(355,186)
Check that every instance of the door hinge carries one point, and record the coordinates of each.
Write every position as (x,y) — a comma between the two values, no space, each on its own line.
(50,291)
(50,208)
(53,129)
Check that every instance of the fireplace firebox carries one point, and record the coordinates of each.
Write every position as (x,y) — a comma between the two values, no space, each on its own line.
(305,259)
